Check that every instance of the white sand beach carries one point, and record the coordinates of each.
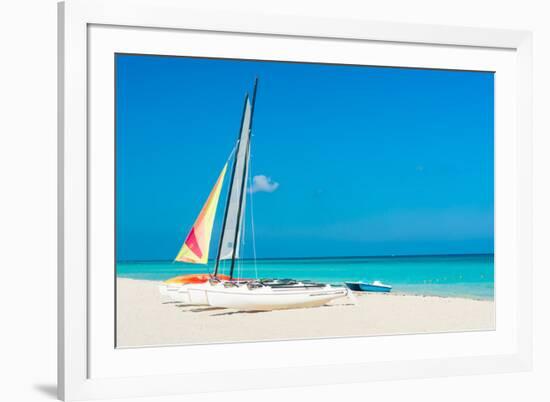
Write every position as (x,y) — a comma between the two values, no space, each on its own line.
(144,318)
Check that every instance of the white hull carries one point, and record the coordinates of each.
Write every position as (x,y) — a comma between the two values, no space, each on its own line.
(269,298)
(240,297)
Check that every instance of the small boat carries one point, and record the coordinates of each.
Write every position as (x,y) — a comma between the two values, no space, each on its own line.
(375,286)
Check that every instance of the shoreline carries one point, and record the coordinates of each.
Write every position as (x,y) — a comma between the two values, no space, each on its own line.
(392,293)
(144,318)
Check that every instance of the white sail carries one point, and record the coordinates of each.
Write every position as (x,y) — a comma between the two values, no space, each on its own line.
(237,196)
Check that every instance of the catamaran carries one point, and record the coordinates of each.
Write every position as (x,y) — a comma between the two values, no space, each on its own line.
(226,291)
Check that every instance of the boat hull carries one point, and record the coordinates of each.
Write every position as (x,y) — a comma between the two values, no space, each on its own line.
(375,288)
(368,287)
(258,299)
(354,286)
(265,299)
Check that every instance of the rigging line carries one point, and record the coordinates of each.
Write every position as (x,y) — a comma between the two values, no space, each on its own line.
(252,216)
(241,246)
(242,265)
(233,151)
(219,262)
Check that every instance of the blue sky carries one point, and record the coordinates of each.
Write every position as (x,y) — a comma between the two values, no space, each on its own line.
(368,160)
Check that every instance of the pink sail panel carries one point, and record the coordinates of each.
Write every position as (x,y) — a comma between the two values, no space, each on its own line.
(196,245)
(193,244)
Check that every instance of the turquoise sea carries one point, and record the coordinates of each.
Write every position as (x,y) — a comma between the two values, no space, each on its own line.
(469,276)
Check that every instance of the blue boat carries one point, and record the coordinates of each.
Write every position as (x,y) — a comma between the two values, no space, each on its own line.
(375,286)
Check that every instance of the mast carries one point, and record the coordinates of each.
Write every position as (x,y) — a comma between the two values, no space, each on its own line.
(243,182)
(253,101)
(230,189)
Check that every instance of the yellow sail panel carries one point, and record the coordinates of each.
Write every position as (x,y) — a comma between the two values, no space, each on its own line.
(196,245)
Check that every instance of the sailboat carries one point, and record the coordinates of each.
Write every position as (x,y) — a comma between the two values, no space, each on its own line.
(226,291)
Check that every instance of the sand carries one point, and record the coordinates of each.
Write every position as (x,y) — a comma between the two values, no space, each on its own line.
(144,318)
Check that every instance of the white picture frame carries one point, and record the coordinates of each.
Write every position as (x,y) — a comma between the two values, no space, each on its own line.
(80,377)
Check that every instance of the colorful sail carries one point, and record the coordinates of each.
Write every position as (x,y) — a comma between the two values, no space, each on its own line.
(196,246)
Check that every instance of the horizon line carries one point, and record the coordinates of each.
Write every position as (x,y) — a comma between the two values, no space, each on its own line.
(333,257)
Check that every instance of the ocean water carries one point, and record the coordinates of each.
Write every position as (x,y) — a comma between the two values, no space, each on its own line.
(470,276)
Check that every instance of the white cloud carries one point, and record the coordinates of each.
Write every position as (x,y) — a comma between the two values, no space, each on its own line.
(261,183)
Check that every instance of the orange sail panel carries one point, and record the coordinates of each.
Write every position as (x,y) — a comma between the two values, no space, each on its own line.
(194,278)
(196,245)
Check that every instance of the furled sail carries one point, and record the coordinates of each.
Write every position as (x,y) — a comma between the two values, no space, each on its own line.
(196,245)
(236,202)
